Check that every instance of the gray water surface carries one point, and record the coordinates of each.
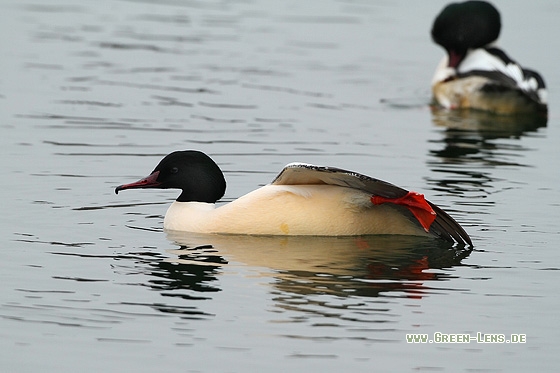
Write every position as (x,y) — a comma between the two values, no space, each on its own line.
(94,93)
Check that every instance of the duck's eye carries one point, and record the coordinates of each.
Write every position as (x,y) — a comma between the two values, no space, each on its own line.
(174,170)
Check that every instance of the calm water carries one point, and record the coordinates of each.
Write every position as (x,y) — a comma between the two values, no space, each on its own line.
(94,93)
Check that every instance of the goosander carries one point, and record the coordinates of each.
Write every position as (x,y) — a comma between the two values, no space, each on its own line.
(475,73)
(302,200)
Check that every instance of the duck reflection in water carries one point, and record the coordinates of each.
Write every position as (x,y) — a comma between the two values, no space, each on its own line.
(486,125)
(474,143)
(367,266)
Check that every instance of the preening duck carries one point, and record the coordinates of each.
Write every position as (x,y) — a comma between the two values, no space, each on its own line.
(302,200)
(475,73)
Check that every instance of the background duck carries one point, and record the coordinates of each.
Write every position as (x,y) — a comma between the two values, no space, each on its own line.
(302,200)
(475,73)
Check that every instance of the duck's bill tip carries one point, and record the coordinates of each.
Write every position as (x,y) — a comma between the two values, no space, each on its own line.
(147,182)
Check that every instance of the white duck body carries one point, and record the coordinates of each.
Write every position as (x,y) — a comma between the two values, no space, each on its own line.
(322,210)
(303,199)
(482,81)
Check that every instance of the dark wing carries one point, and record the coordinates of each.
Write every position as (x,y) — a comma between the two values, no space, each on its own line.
(447,228)
(302,173)
(444,226)
(502,83)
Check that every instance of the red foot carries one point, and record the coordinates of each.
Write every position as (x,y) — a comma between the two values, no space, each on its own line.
(416,203)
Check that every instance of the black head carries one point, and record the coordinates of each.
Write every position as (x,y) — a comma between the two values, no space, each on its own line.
(196,174)
(467,25)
